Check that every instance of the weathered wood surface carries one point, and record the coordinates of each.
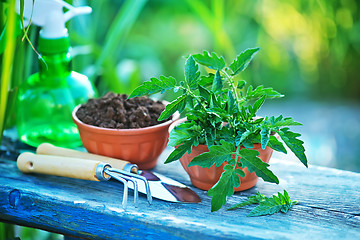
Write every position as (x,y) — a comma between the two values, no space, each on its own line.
(329,207)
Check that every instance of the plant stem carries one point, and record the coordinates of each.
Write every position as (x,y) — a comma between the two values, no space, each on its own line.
(237,155)
(233,87)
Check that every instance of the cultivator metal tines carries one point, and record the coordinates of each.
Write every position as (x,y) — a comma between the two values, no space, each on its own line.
(83,169)
(104,172)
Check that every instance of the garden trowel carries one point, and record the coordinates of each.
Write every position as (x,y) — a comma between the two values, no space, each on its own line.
(160,186)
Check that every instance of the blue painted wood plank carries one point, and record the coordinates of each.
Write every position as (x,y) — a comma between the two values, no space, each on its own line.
(328,207)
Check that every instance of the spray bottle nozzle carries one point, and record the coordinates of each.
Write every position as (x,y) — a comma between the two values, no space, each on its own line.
(49,15)
(76,11)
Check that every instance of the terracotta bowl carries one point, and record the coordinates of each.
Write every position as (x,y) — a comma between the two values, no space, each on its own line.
(141,146)
(205,178)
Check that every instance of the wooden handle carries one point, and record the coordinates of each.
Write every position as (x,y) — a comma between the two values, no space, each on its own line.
(58,166)
(49,149)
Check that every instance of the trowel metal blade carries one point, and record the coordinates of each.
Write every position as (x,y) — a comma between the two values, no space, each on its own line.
(165,188)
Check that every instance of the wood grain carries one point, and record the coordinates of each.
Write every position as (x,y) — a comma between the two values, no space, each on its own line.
(329,207)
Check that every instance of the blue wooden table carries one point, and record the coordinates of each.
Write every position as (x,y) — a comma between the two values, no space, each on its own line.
(329,207)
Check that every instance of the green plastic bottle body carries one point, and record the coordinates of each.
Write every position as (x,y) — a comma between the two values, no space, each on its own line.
(47,99)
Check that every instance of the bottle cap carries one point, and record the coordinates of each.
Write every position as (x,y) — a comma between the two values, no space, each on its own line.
(55,45)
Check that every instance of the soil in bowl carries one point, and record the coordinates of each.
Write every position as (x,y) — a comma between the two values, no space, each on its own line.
(116,111)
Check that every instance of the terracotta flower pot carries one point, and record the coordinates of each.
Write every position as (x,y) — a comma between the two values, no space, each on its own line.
(205,178)
(141,146)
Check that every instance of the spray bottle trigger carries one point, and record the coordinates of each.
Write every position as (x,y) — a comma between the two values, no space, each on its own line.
(76,11)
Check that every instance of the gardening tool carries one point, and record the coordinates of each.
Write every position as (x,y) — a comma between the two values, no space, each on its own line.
(82,169)
(161,187)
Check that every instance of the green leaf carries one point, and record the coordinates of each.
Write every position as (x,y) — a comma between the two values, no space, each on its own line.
(243,60)
(211,61)
(217,84)
(276,145)
(214,103)
(251,200)
(223,188)
(273,205)
(295,145)
(183,132)
(250,160)
(282,122)
(260,91)
(240,172)
(217,154)
(265,135)
(180,151)
(154,86)
(206,81)
(231,103)
(190,100)
(240,137)
(176,105)
(204,93)
(192,73)
(257,105)
(241,84)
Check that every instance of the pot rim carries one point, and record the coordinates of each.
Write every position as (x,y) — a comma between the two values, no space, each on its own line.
(129,131)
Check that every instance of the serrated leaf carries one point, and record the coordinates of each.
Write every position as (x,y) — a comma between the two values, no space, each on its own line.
(204,93)
(154,86)
(267,208)
(276,145)
(283,122)
(251,200)
(258,121)
(273,205)
(217,154)
(180,150)
(257,105)
(217,83)
(243,60)
(183,132)
(250,160)
(176,105)
(211,61)
(235,177)
(192,73)
(260,91)
(240,137)
(223,188)
(295,145)
(240,172)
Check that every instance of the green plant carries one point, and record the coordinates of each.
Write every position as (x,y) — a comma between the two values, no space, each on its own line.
(267,206)
(220,115)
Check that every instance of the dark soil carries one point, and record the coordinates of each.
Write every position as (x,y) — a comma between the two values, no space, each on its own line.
(116,111)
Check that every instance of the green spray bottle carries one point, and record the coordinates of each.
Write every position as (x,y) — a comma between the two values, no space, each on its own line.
(46,99)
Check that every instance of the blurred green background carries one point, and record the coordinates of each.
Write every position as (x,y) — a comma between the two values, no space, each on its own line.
(310,51)
(308,48)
